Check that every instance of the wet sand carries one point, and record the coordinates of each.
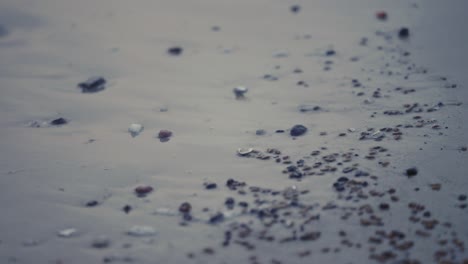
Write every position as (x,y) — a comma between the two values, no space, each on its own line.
(49,174)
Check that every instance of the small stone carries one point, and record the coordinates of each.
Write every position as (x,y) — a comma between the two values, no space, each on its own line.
(309,108)
(100,242)
(127,208)
(384,206)
(142,191)
(381,15)
(260,132)
(403,33)
(93,85)
(229,202)
(185,208)
(411,172)
(69,232)
(330,52)
(164,135)
(92,203)
(217,218)
(141,231)
(175,51)
(240,91)
(210,185)
(461,197)
(295,9)
(59,122)
(135,129)
(298,130)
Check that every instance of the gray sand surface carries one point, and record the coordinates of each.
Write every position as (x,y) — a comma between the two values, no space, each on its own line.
(48,174)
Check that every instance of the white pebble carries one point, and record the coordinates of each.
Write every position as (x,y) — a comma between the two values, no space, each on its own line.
(135,129)
(69,232)
(141,231)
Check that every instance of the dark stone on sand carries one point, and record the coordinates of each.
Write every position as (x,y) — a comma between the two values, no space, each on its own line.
(330,52)
(164,135)
(92,203)
(243,204)
(93,85)
(210,186)
(217,218)
(185,208)
(279,131)
(59,121)
(229,202)
(462,197)
(381,15)
(295,9)
(127,208)
(384,206)
(411,172)
(175,51)
(403,33)
(298,130)
(142,191)
(260,132)
(309,108)
(295,175)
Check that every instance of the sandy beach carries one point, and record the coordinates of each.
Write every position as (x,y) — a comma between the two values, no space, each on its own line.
(375,173)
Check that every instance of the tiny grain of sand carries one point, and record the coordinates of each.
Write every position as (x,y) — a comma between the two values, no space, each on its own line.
(379,176)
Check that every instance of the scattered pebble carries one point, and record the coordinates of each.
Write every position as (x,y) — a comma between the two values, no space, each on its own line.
(141,231)
(403,33)
(100,242)
(411,172)
(143,190)
(93,85)
(135,129)
(240,91)
(298,130)
(175,51)
(69,232)
(59,122)
(164,135)
(185,208)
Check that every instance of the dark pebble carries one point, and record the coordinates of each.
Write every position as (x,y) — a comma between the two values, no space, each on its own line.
(403,33)
(295,9)
(298,130)
(295,175)
(92,203)
(330,53)
(243,204)
(462,197)
(279,131)
(127,208)
(260,132)
(229,203)
(411,172)
(381,15)
(59,121)
(164,134)
(175,51)
(217,218)
(142,191)
(210,186)
(185,208)
(93,85)
(384,206)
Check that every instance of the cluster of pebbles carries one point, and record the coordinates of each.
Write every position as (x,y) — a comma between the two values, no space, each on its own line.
(268,217)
